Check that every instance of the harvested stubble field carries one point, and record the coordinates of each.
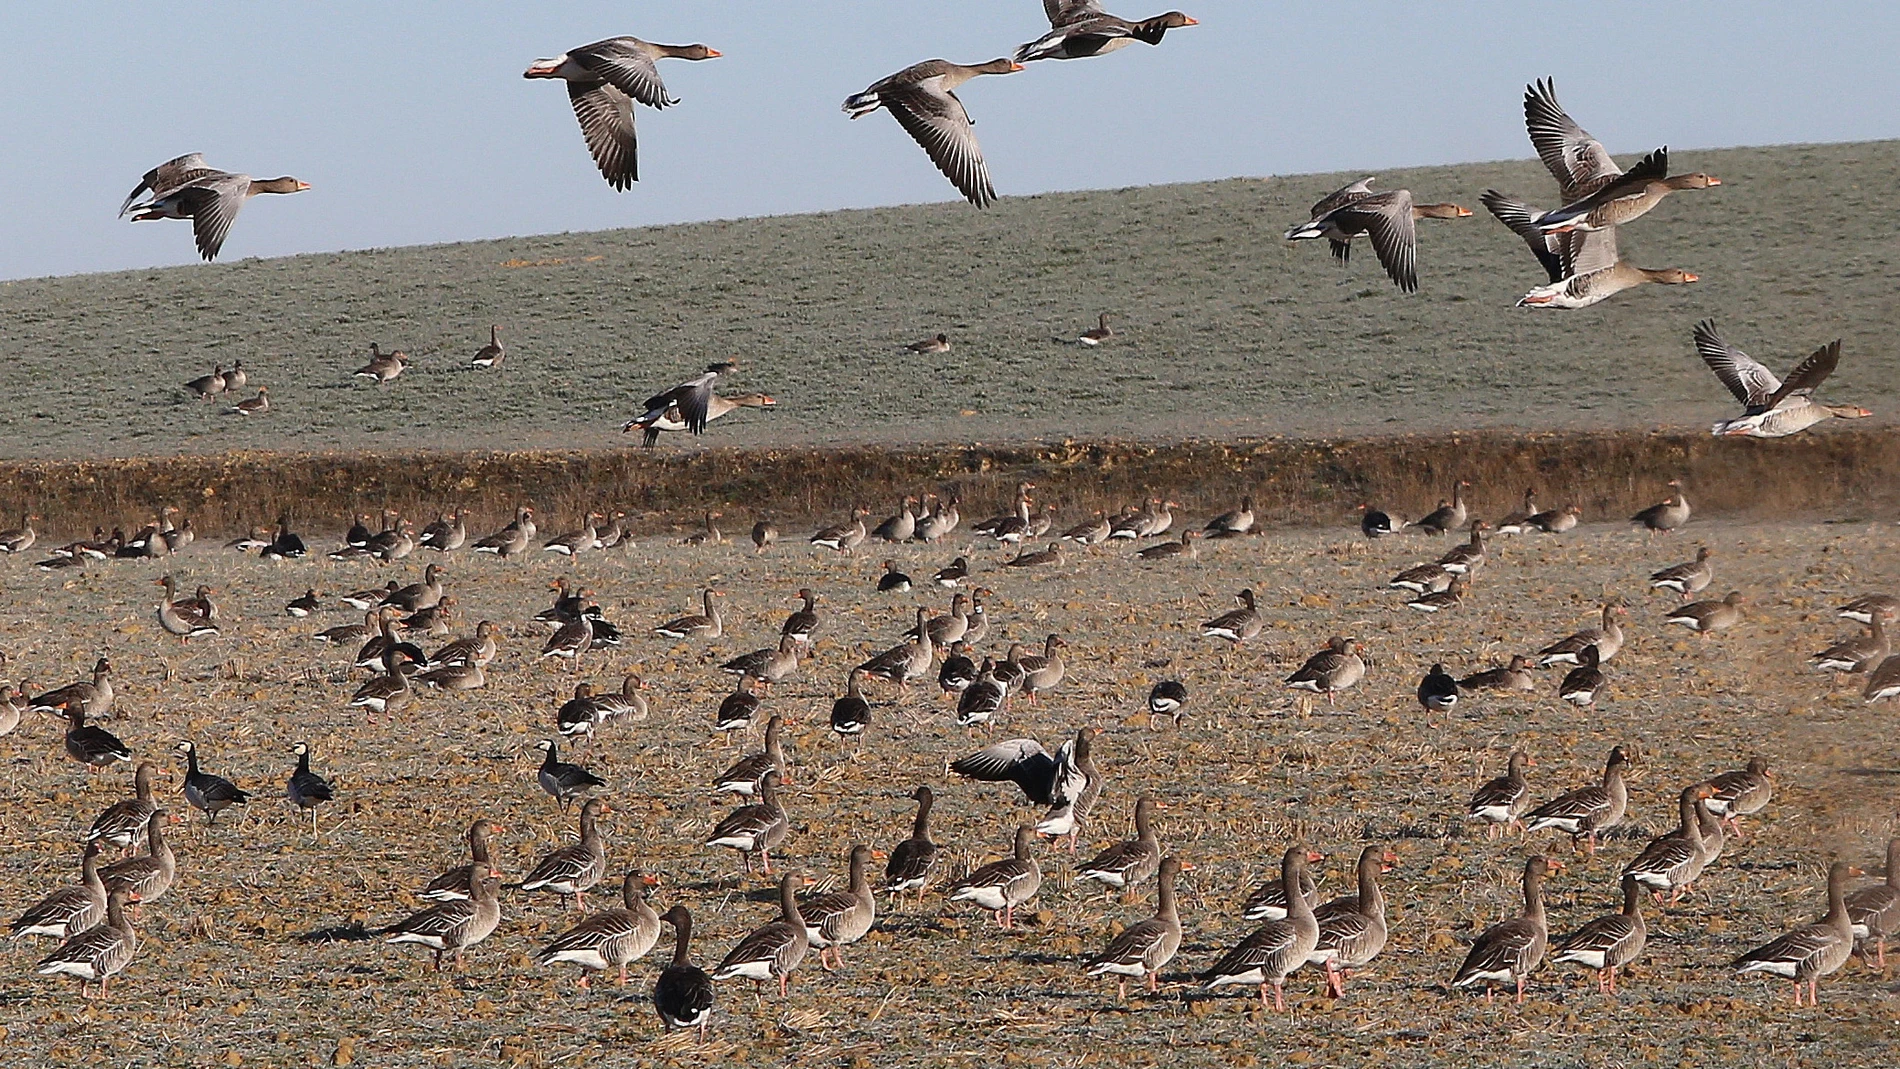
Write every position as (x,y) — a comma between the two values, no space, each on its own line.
(258,956)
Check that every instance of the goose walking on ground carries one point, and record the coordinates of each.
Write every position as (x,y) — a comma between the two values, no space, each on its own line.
(836,920)
(1331,670)
(453,926)
(572,869)
(1685,579)
(604,79)
(1672,862)
(305,789)
(1509,952)
(98,953)
(1743,792)
(1586,811)
(923,100)
(910,862)
(1811,951)
(189,188)
(1143,948)
(611,938)
(1501,802)
(1001,886)
(91,745)
(69,910)
(1168,698)
(1268,956)
(1874,912)
(151,874)
(1771,408)
(683,995)
(1608,942)
(1352,928)
(563,781)
(1388,220)
(774,950)
(757,828)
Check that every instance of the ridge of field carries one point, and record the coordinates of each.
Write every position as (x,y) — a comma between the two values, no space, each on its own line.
(1227,330)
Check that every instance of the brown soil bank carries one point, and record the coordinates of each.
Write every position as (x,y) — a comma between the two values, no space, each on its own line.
(1846,472)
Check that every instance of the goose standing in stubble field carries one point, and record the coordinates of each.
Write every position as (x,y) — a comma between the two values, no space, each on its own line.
(603,81)
(1388,220)
(923,100)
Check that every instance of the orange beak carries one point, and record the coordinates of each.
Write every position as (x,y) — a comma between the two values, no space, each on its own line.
(1192,22)
(713,53)
(1714,181)
(1014,67)
(1688,276)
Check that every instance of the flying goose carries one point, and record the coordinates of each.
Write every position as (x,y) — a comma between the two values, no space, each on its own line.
(774,950)
(572,869)
(189,188)
(455,925)
(923,100)
(1608,942)
(1080,29)
(683,996)
(1594,271)
(1509,952)
(1278,947)
(1811,951)
(603,81)
(611,938)
(1771,408)
(690,400)
(1143,948)
(1386,219)
(1001,886)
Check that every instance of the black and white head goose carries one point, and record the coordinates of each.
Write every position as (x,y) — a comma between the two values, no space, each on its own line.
(923,100)
(1388,220)
(1168,698)
(757,828)
(1586,811)
(1582,685)
(611,938)
(1607,637)
(1430,578)
(492,354)
(836,920)
(958,670)
(850,714)
(206,792)
(1127,864)
(1331,670)
(91,745)
(603,81)
(1771,408)
(1509,952)
(1742,792)
(1863,609)
(907,661)
(1438,692)
(94,696)
(1671,862)
(683,995)
(748,773)
(1874,912)
(899,526)
(150,875)
(1277,947)
(803,622)
(1001,886)
(1557,521)
(708,623)
(1667,515)
(1685,579)
(1232,522)
(1236,625)
(453,926)
(1704,617)
(513,539)
(1080,29)
(574,868)
(1143,948)
(1513,676)
(1352,928)
(1862,653)
(122,821)
(453,885)
(936,343)
(563,781)
(189,188)
(1501,802)
(1467,558)
(774,950)
(768,666)
(98,953)
(911,860)
(982,698)
(1811,951)
(843,537)
(1608,942)
(305,789)
(69,910)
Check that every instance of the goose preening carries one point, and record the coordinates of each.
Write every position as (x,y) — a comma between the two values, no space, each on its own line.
(1143,948)
(1268,956)
(1067,781)
(1388,220)
(1438,691)
(1080,29)
(1771,408)
(923,100)
(1509,952)
(1811,951)
(189,188)
(1375,523)
(603,81)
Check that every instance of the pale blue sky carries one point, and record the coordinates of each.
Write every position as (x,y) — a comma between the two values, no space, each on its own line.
(414,124)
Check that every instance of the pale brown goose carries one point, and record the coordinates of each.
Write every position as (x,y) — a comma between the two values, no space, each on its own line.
(383,368)
(205,387)
(603,80)
(923,100)
(1742,793)
(1862,653)
(1438,601)
(1501,802)
(513,539)
(747,775)
(188,188)
(453,926)
(1685,579)
(1276,948)
(1143,948)
(250,406)
(1704,617)
(1331,670)
(837,920)
(574,543)
(1515,676)
(1771,408)
(1672,512)
(1467,558)
(1043,672)
(177,619)
(612,938)
(1586,811)
(1268,901)
(1608,942)
(1671,862)
(768,666)
(572,869)
(1449,515)
(1388,220)
(843,537)
(1509,952)
(97,953)
(1593,271)
(122,821)
(478,650)
(764,533)
(1558,521)
(447,534)
(709,623)
(93,696)
(1233,522)
(709,533)
(1182,547)
(1052,554)
(1001,886)
(1429,578)
(1092,532)
(911,860)
(1127,864)
(899,526)
(1519,522)
(757,828)
(1607,637)
(685,407)
(1811,951)
(1874,912)
(1352,928)
(772,951)
(907,661)
(69,910)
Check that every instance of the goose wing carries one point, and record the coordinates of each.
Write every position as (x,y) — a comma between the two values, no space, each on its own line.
(1386,219)
(1808,374)
(936,119)
(1575,159)
(170,176)
(1750,382)
(606,117)
(1021,761)
(623,64)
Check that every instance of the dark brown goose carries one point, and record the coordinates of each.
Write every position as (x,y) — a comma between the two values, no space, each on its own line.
(1584,812)
(69,910)
(754,829)
(911,860)
(683,996)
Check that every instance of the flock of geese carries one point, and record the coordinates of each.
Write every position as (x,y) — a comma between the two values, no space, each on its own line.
(96,919)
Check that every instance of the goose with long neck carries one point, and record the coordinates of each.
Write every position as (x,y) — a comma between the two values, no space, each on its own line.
(1509,952)
(1352,928)
(774,950)
(837,920)
(1811,951)
(683,996)
(100,952)
(923,99)
(1273,951)
(604,79)
(1609,942)
(1142,949)
(911,860)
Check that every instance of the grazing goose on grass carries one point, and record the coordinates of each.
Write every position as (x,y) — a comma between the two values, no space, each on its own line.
(1143,948)
(1080,29)
(1508,953)
(453,885)
(911,860)
(90,745)
(603,81)
(1268,956)
(747,775)
(305,789)
(1771,408)
(188,188)
(206,792)
(1583,684)
(1706,616)
(1586,811)
(97,953)
(611,938)
(1685,579)
(1608,942)
(69,910)
(1501,802)
(1388,220)
(572,869)
(563,781)
(1168,698)
(492,354)
(1862,609)
(837,920)
(1743,792)
(453,926)
(122,821)
(756,828)
(1331,670)
(708,623)
(1235,625)
(1874,912)
(1515,676)
(923,100)
(1672,512)
(937,343)
(1352,928)
(1001,886)
(774,950)
(150,875)
(683,995)
(1127,864)
(94,696)
(1607,637)
(1861,653)
(764,533)
(1811,951)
